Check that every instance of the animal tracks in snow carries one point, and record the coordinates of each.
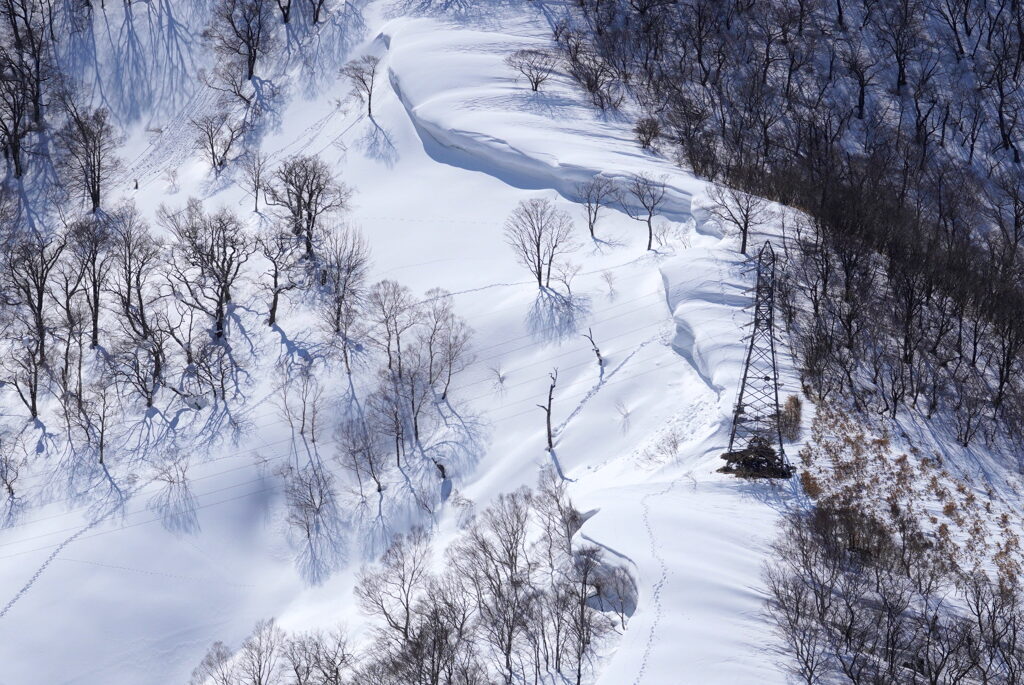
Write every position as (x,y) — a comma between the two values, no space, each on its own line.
(655,600)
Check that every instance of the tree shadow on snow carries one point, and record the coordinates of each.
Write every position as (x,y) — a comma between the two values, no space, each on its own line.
(320,50)
(376,144)
(555,317)
(476,12)
(173,501)
(316,529)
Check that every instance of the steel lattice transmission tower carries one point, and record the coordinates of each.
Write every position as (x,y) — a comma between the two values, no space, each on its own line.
(755,443)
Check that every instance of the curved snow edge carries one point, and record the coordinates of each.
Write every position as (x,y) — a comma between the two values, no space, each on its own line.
(478,151)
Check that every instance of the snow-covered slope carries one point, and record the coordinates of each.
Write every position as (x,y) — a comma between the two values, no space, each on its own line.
(454,144)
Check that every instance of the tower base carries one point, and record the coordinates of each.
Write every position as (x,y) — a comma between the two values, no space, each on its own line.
(757,460)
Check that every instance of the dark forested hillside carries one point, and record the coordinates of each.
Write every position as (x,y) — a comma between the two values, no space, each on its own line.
(896,128)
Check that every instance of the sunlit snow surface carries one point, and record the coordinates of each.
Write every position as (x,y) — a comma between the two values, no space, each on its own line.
(455,143)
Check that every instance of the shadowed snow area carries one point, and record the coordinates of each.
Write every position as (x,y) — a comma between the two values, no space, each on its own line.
(455,143)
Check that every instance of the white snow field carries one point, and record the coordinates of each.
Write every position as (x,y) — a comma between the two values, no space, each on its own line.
(134,597)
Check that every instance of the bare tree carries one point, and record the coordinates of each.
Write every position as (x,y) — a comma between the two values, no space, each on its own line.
(415,387)
(139,365)
(391,590)
(243,30)
(216,134)
(585,625)
(388,416)
(259,658)
(65,293)
(216,668)
(254,170)
(446,340)
(742,210)
(306,190)
(98,414)
(316,7)
(535,65)
(647,130)
(92,246)
(314,519)
(87,151)
(792,607)
(649,192)
(862,66)
(10,471)
(207,259)
(394,313)
(278,249)
(595,195)
(30,260)
(300,396)
(362,74)
(285,6)
(361,453)
(317,658)
(342,282)
(15,109)
(494,563)
(539,234)
(137,257)
(228,79)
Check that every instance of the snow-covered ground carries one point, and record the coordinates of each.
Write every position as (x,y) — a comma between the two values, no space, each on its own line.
(456,142)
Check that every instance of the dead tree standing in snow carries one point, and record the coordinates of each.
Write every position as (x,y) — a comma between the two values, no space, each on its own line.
(589,335)
(547,408)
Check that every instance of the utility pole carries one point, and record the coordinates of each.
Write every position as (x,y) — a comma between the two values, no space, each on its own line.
(755,442)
